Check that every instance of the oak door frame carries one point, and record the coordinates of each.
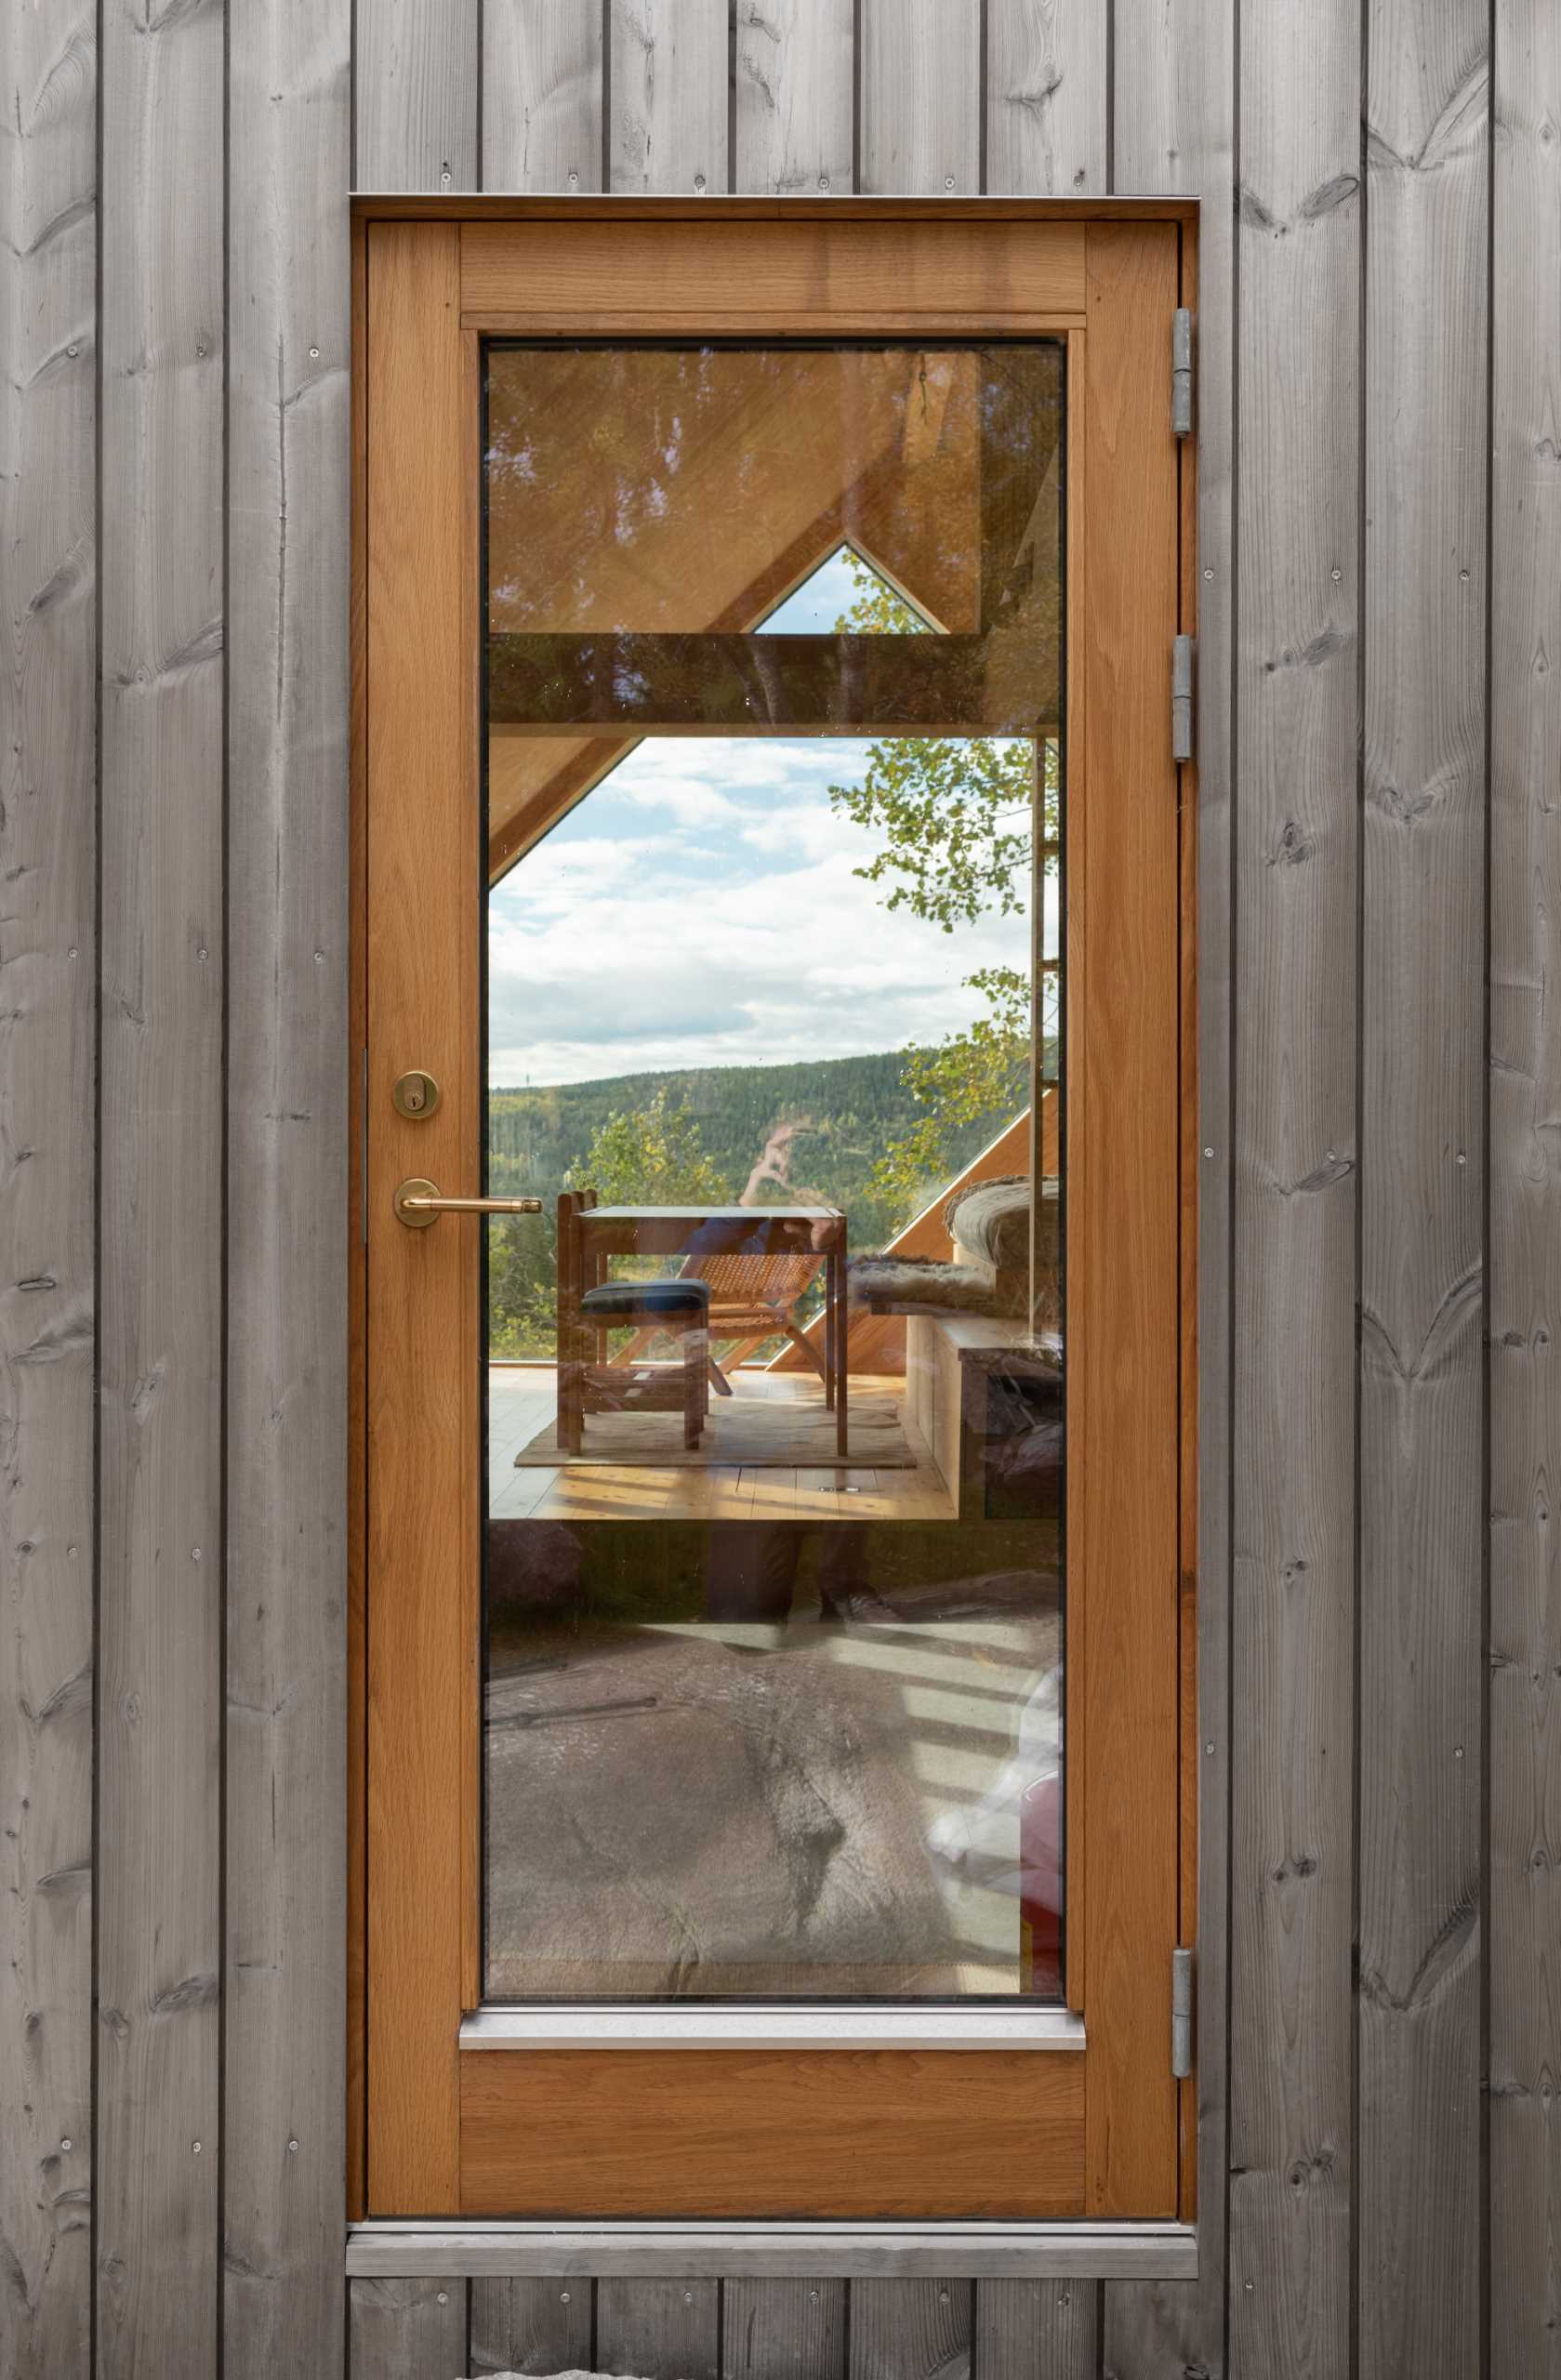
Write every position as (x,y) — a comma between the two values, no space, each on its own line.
(431,280)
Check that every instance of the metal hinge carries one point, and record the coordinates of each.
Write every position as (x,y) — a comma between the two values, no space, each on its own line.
(1182,699)
(1181,2014)
(1182,373)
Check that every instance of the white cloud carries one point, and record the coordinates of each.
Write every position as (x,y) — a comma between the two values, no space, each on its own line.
(737,933)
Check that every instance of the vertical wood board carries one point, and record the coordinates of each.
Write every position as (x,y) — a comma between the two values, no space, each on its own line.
(1525,1093)
(1298,249)
(920,131)
(283,2082)
(531,2326)
(1037,2330)
(414,69)
(1048,114)
(47,852)
(162,1222)
(541,96)
(1423,1096)
(659,2330)
(911,2330)
(793,64)
(668,80)
(784,2330)
(407,2329)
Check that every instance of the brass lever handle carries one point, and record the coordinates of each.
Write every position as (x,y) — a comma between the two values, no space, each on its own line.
(417,1204)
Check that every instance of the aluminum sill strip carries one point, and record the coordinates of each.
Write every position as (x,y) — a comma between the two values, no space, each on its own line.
(786,2025)
(433,2251)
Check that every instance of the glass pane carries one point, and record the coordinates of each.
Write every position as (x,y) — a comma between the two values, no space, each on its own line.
(773,1599)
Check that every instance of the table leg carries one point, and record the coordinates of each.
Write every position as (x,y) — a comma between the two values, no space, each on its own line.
(843,1363)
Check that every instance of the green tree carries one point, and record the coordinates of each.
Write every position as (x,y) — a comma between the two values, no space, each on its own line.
(652,1156)
(957,817)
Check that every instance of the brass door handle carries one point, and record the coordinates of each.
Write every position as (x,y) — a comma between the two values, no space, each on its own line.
(417,1204)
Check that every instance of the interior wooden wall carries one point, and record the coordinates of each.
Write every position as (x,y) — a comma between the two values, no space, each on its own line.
(1380,708)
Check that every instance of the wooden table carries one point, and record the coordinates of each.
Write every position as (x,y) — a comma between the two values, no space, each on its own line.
(602,1232)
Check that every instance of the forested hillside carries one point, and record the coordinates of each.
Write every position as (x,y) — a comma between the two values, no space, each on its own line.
(791,1134)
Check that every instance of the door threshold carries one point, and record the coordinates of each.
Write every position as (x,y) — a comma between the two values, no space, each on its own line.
(1084,2251)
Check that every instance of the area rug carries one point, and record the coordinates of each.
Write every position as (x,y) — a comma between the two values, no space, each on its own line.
(767,1432)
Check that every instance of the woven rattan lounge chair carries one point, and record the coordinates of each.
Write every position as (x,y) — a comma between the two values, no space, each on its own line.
(752,1299)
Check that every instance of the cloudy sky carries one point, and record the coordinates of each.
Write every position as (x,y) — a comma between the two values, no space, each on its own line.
(700,908)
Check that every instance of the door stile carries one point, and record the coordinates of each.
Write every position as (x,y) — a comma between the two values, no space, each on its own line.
(422,1406)
(1124,1350)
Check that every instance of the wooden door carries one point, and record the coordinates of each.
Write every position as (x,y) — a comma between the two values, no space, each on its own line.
(496,700)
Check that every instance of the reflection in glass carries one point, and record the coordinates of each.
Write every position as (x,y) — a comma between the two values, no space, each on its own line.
(774,1578)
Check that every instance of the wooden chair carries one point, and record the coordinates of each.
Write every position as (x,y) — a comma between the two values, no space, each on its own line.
(752,1299)
(586,1312)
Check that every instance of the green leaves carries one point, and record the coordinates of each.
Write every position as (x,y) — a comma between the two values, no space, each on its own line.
(651,1156)
(958,818)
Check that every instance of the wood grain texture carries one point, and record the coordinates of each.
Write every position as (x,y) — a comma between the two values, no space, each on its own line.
(48,855)
(541,2326)
(1297,999)
(592,277)
(407,2329)
(1174,128)
(668,122)
(784,2330)
(1123,1161)
(920,98)
(1037,2330)
(911,2330)
(289,84)
(161,1094)
(1525,1708)
(415,70)
(541,96)
(422,1011)
(1047,112)
(1423,1096)
(793,64)
(659,2330)
(718,2134)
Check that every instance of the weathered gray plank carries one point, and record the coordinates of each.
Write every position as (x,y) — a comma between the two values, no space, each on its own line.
(283,2085)
(1525,1709)
(1298,247)
(47,854)
(1418,2217)
(793,64)
(911,2330)
(407,2329)
(158,1943)
(531,2326)
(1037,2330)
(782,2330)
(659,2330)
(920,98)
(1047,110)
(541,94)
(414,67)
(667,127)
(1173,130)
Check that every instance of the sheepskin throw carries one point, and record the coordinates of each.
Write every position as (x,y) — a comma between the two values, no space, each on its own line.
(919,1285)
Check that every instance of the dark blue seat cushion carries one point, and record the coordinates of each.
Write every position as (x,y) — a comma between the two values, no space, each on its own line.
(626,1301)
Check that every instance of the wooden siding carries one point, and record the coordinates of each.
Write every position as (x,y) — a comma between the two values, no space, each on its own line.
(1380,1065)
